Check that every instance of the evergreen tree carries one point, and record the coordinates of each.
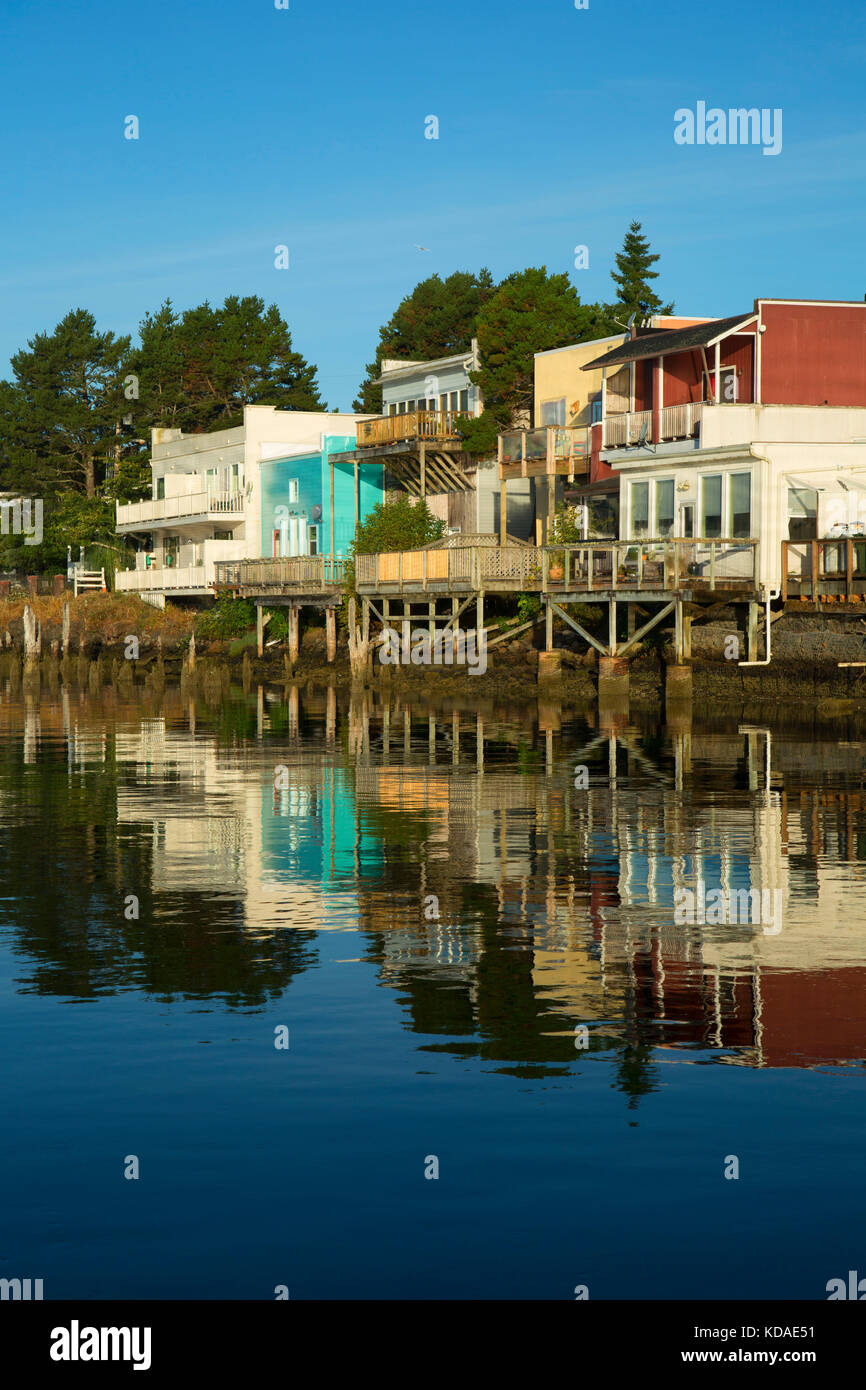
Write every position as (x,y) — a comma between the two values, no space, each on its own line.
(197,371)
(59,418)
(632,279)
(530,312)
(437,319)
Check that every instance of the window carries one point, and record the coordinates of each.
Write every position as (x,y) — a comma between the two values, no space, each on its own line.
(455,401)
(727,385)
(401,409)
(711,505)
(553,412)
(410,406)
(595,409)
(392,409)
(313,540)
(464,402)
(664,519)
(160,489)
(443,402)
(802,514)
(293,489)
(640,509)
(741,504)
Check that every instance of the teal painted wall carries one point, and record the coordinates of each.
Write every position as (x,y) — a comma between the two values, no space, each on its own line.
(312,472)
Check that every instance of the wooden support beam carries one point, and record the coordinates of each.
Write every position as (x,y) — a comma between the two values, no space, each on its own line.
(647,627)
(503,511)
(331,634)
(581,631)
(422,467)
(548,626)
(611,626)
(260,629)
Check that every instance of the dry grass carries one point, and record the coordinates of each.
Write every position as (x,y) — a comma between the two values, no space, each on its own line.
(111,615)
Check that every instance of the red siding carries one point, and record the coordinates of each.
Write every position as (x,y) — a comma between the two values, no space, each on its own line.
(682,378)
(814,354)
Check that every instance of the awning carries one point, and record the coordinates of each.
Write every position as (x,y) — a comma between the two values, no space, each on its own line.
(700,335)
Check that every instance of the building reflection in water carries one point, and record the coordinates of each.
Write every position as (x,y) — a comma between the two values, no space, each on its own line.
(503,905)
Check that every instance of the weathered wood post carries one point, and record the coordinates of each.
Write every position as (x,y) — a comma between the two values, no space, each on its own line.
(32,635)
(293,632)
(65,629)
(331,634)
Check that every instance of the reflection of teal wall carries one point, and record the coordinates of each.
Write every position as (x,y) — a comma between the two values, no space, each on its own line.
(312,472)
(309,834)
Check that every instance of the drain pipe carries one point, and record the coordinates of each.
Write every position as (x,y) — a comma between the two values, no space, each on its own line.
(770,595)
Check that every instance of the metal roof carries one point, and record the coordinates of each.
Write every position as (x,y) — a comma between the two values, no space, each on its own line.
(658,344)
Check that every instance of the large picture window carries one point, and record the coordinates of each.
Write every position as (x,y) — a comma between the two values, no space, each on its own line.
(711,505)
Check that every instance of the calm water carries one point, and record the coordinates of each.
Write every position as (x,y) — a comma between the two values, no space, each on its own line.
(306,898)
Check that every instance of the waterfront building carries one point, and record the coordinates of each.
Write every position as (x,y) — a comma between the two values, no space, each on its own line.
(214,497)
(748,427)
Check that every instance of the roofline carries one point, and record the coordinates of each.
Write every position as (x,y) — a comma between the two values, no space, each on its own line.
(414,368)
(674,351)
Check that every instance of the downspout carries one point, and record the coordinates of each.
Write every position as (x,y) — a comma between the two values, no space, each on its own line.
(769,594)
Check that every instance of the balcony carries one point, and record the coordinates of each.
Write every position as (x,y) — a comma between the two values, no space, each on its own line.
(636,426)
(169,579)
(193,506)
(549,449)
(413,427)
(283,574)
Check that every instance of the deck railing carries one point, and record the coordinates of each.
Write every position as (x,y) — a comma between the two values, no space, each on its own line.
(169,508)
(825,569)
(302,572)
(664,564)
(675,421)
(549,448)
(414,424)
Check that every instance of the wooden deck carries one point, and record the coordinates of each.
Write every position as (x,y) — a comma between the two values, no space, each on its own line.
(586,570)
(295,578)
(825,571)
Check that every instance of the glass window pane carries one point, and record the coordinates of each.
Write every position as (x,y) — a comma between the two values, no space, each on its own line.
(665,507)
(639,509)
(464,402)
(711,505)
(741,504)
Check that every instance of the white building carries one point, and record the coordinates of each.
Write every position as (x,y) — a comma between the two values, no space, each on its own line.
(206,497)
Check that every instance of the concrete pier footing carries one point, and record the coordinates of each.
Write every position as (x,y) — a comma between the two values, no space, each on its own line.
(612,676)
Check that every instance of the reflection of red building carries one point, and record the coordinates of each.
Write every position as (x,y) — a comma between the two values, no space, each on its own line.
(812,1016)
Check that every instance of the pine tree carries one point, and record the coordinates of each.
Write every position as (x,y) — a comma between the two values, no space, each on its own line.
(632,278)
(437,319)
(60,416)
(197,371)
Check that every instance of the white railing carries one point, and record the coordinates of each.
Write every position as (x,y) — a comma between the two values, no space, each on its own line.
(186,505)
(680,421)
(169,577)
(88,581)
(676,422)
(622,430)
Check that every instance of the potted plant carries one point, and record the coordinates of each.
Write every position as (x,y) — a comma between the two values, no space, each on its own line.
(564,530)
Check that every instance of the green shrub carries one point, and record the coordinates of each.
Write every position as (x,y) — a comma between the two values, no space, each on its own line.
(229,617)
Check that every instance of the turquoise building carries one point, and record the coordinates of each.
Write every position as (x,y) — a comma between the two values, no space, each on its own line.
(296,499)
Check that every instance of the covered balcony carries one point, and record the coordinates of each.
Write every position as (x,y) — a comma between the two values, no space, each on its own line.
(189,507)
(636,427)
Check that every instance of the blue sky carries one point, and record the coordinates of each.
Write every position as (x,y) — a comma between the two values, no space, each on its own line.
(305,127)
